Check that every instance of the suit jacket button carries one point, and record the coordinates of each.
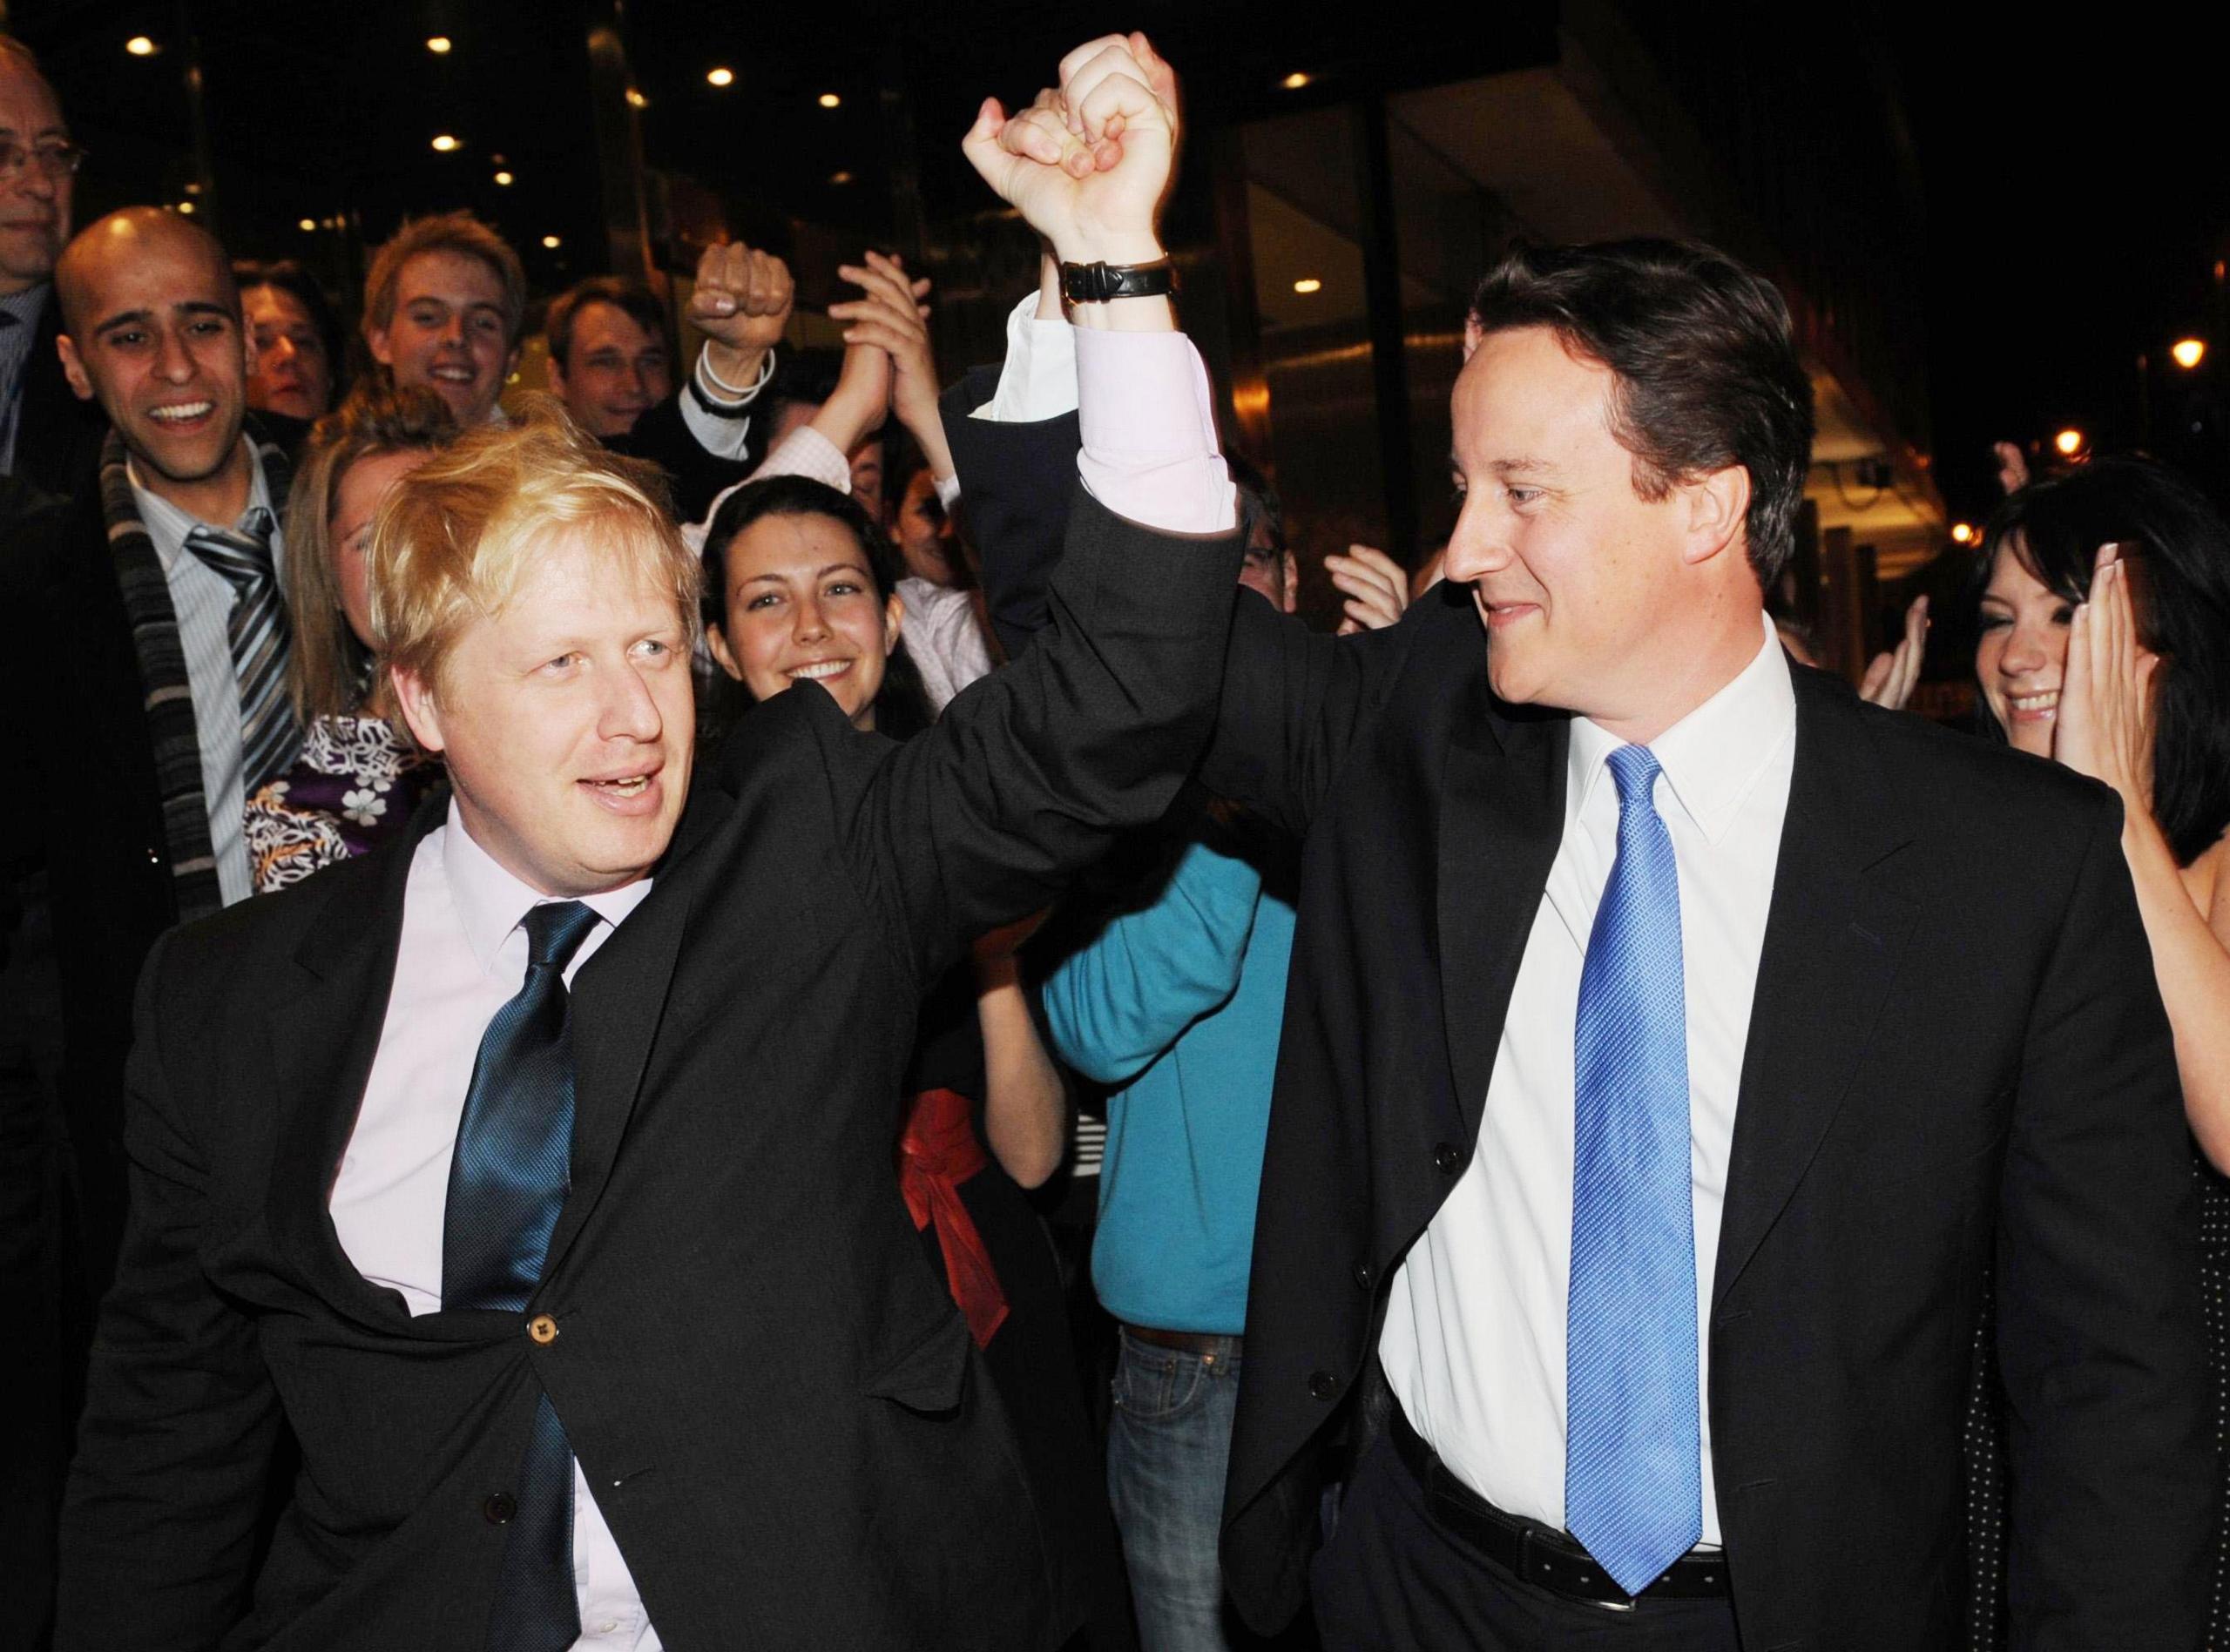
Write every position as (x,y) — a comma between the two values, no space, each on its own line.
(543,1329)
(1447,1159)
(1323,1384)
(1364,1277)
(499,1507)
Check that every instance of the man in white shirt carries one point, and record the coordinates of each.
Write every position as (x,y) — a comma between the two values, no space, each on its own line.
(1675,1047)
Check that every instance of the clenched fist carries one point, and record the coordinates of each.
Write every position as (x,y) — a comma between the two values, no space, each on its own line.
(1088,164)
(741,303)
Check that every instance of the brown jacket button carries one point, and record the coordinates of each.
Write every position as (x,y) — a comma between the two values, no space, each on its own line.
(543,1329)
(499,1507)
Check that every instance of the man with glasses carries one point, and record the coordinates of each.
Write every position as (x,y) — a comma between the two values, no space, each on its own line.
(48,439)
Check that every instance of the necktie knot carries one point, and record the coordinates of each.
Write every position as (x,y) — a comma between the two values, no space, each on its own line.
(241,555)
(555,931)
(1634,769)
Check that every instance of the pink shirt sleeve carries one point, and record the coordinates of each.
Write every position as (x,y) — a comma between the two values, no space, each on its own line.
(1150,450)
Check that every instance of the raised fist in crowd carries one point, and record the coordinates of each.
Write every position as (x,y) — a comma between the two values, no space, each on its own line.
(740,303)
(1089,163)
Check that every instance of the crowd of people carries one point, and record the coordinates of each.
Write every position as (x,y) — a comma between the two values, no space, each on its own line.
(548,945)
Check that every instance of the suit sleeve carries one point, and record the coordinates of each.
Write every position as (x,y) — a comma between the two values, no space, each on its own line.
(1025,780)
(1017,483)
(2098,1309)
(159,1524)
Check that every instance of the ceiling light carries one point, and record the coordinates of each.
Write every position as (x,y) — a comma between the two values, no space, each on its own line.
(307,225)
(443,142)
(186,207)
(840,178)
(1964,532)
(829,100)
(1295,81)
(721,77)
(1308,284)
(2189,352)
(140,46)
(503,178)
(635,98)
(439,44)
(551,242)
(2068,442)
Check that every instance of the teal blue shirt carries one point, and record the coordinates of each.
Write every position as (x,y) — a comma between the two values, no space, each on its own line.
(1177,1008)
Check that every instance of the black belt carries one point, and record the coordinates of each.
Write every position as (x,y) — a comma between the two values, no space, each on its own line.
(1532,1552)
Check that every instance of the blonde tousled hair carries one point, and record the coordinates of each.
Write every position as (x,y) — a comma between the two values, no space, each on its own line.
(454,540)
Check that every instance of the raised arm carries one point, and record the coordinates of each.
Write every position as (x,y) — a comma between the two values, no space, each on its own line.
(158,1528)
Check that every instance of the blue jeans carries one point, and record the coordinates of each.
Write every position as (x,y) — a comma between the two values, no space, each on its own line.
(1168,1440)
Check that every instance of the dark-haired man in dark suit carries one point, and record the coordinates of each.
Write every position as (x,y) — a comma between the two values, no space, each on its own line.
(1675,1045)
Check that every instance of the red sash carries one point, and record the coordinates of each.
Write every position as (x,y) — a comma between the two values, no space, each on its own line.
(936,1152)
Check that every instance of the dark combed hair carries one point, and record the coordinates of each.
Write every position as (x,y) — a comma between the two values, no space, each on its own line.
(632,299)
(1707,370)
(2178,547)
(901,706)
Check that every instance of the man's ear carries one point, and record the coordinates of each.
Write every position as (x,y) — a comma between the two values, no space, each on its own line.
(1472,334)
(554,367)
(375,341)
(1719,505)
(415,695)
(81,383)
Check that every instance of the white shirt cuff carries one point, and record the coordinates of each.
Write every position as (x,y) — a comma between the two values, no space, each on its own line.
(1150,450)
(1038,380)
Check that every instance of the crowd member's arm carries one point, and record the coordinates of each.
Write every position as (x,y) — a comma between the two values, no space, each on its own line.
(741,303)
(1891,674)
(818,449)
(891,314)
(2098,1314)
(2106,728)
(1118,1002)
(1025,1104)
(158,1528)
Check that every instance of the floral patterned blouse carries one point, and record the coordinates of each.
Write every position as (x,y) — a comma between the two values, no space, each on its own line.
(353,787)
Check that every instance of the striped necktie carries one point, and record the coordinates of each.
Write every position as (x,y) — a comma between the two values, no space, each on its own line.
(260,636)
(1633,1442)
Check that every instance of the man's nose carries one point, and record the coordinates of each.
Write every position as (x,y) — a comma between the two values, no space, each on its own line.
(630,710)
(173,361)
(1475,549)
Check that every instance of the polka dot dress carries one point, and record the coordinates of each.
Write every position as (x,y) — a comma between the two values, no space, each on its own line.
(1984,1445)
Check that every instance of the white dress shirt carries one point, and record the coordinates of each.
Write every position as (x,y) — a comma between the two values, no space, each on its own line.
(461,957)
(943,638)
(1473,1345)
(202,598)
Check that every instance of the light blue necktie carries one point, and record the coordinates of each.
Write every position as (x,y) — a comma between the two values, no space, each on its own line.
(1633,1474)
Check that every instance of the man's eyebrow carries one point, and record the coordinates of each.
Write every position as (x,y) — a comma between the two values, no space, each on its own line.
(142,318)
(127,318)
(1519,466)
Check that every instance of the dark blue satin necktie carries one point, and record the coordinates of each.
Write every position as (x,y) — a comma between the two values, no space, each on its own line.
(508,1180)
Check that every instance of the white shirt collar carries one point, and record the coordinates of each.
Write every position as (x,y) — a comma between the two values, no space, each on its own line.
(168,525)
(1713,757)
(491,902)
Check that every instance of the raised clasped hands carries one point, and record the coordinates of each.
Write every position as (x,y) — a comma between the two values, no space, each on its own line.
(2106,717)
(1088,164)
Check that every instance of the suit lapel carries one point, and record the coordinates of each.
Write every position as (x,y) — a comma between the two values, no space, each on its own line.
(323,1039)
(618,1001)
(1834,934)
(1502,810)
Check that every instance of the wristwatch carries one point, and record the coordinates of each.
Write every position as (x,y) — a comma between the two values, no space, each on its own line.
(1101,283)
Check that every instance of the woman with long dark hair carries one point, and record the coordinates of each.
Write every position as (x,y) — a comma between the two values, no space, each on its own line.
(2103,609)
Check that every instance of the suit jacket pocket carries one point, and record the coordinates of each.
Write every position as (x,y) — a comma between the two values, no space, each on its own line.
(931,1375)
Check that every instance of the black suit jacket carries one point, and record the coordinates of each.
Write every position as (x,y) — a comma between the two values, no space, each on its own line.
(1957,1058)
(58,436)
(782,1412)
(664,437)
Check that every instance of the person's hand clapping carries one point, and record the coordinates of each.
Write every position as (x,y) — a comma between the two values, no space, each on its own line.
(855,409)
(741,304)
(1375,586)
(892,317)
(1891,676)
(1087,164)
(2106,717)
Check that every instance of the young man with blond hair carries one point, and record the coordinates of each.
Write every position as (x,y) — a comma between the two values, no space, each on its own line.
(536,1172)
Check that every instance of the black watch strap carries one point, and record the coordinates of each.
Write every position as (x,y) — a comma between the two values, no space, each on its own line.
(1101,283)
